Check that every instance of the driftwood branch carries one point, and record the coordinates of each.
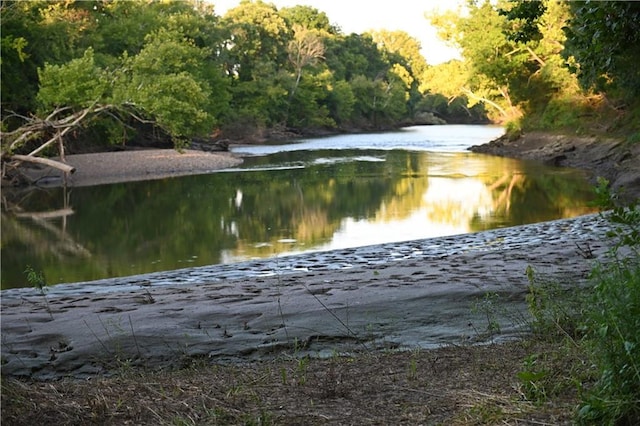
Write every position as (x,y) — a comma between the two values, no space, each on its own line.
(47,162)
(54,126)
(55,214)
(52,129)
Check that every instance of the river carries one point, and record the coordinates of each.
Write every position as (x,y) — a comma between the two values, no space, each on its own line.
(306,196)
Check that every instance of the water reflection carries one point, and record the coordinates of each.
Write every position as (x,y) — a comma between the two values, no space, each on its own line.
(282,203)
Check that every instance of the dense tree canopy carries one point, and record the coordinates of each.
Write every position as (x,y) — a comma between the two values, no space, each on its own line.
(177,70)
(177,67)
(537,64)
(604,39)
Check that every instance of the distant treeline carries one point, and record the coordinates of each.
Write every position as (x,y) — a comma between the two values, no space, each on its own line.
(175,70)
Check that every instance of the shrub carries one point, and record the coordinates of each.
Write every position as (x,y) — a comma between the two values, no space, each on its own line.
(611,320)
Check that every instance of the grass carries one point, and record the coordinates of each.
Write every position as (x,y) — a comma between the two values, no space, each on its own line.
(451,385)
(601,321)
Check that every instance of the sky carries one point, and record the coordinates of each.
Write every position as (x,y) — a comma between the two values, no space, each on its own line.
(359,16)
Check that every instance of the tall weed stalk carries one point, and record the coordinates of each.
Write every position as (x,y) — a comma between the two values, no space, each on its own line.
(37,280)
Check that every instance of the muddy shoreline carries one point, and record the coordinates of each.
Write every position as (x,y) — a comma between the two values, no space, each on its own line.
(423,300)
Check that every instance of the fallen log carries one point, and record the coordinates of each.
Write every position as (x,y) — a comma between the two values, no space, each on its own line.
(39,160)
(55,214)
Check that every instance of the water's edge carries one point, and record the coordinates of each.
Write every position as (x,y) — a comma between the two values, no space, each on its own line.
(516,237)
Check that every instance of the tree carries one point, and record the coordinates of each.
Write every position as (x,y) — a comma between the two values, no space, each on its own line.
(406,47)
(494,62)
(310,18)
(354,55)
(164,83)
(33,33)
(257,34)
(170,80)
(604,40)
(306,48)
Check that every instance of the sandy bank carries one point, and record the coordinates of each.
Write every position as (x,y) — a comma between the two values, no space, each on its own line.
(134,165)
(425,299)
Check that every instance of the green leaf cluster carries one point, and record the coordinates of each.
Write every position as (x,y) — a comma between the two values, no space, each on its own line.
(178,67)
(603,37)
(537,64)
(601,320)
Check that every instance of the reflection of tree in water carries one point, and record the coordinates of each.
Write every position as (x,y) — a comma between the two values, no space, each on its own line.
(529,196)
(503,187)
(43,232)
(309,207)
(406,194)
(201,220)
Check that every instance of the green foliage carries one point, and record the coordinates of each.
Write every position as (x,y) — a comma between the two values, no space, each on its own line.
(88,86)
(607,316)
(561,113)
(532,378)
(524,58)
(625,220)
(180,68)
(488,307)
(603,37)
(555,310)
(164,83)
(36,279)
(524,17)
(612,321)
(178,65)
(601,320)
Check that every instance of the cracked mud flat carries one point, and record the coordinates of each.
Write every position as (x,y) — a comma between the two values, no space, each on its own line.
(401,295)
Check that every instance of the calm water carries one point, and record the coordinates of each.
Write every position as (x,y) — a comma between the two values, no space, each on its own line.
(320,194)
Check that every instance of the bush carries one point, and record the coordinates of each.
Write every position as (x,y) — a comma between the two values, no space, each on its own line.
(603,320)
(611,321)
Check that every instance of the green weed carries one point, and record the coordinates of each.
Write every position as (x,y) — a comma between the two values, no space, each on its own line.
(602,321)
(555,310)
(531,378)
(488,307)
(612,322)
(37,280)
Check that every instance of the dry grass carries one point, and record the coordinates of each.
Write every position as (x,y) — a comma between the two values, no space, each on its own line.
(452,386)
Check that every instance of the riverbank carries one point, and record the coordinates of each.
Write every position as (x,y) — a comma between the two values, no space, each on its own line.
(607,157)
(231,349)
(421,300)
(133,165)
(323,345)
(611,158)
